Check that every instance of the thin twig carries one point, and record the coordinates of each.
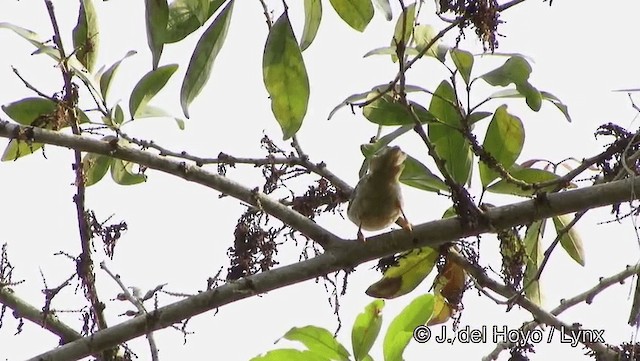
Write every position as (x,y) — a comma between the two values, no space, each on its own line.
(538,313)
(47,320)
(547,253)
(424,51)
(85,263)
(586,296)
(199,161)
(266,14)
(223,158)
(29,86)
(139,306)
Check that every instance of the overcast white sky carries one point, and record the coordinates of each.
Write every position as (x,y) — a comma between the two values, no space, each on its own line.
(179,232)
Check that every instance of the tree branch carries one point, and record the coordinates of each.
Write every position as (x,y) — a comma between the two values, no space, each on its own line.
(586,296)
(135,300)
(302,160)
(538,313)
(22,309)
(189,172)
(70,114)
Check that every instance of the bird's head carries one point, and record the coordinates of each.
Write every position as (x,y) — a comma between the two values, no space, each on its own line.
(388,162)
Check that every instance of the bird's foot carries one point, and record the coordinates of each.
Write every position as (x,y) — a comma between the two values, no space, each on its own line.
(405,224)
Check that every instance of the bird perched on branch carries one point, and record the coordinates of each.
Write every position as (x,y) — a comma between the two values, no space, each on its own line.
(376,202)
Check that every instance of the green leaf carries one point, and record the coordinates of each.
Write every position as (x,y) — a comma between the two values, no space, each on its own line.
(404,22)
(348,101)
(200,9)
(187,16)
(443,104)
(454,149)
(319,341)
(504,141)
(417,175)
(147,87)
(312,17)
(79,70)
(203,57)
(506,93)
(26,34)
(154,112)
(107,76)
(558,104)
(366,328)
(356,13)
(122,173)
(442,310)
(529,175)
(449,213)
(376,89)
(156,18)
(463,61)
(423,35)
(531,94)
(370,149)
(53,53)
(477,116)
(508,55)
(449,143)
(412,268)
(94,167)
(27,110)
(515,70)
(386,111)
(19,148)
(570,240)
(289,354)
(31,111)
(400,331)
(285,77)
(151,111)
(85,35)
(116,116)
(533,249)
(385,7)
(390,50)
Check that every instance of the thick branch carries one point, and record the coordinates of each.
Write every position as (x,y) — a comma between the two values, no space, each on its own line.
(22,309)
(181,169)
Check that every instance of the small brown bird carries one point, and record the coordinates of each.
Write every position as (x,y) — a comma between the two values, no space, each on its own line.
(376,202)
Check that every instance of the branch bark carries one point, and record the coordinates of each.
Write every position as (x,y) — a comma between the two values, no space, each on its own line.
(180,169)
(22,309)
